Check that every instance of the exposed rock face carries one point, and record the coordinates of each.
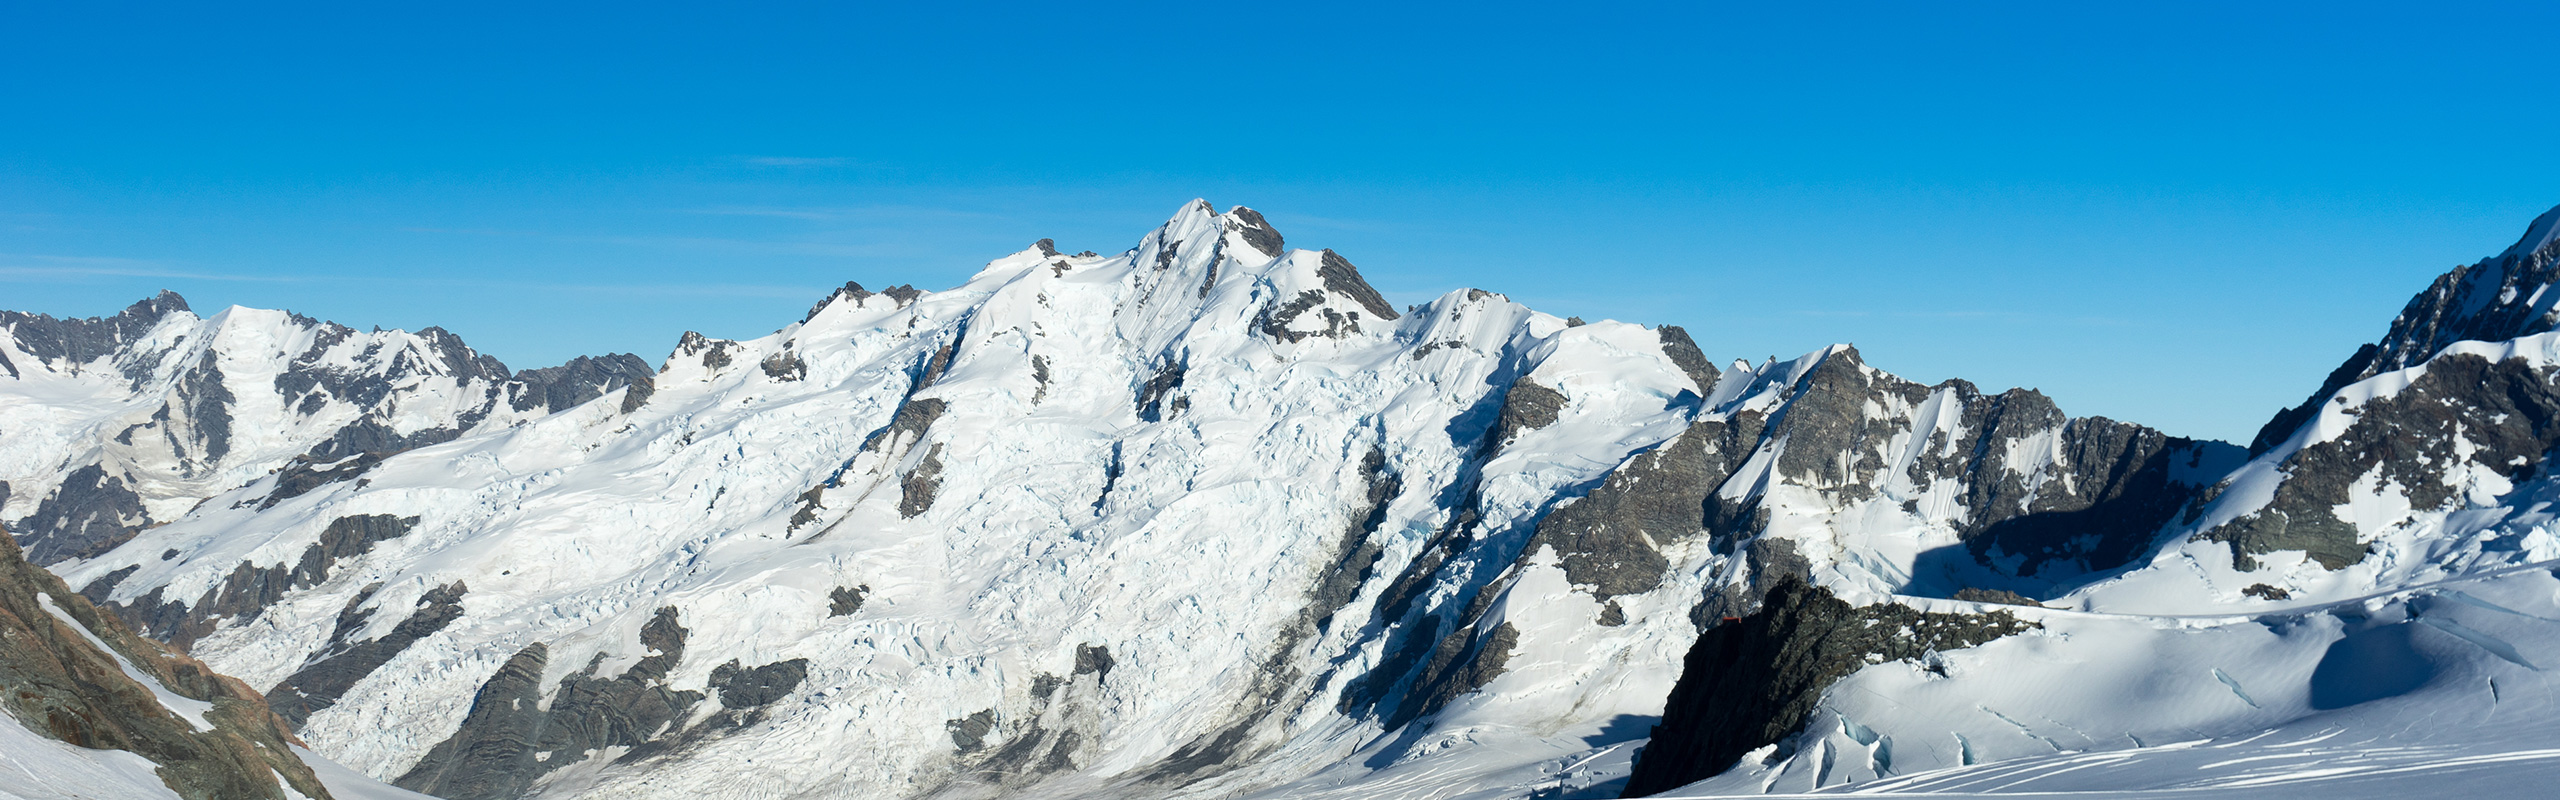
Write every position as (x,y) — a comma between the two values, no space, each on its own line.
(714,354)
(785,367)
(89,513)
(2093,493)
(849,291)
(60,683)
(2461,432)
(742,688)
(844,601)
(1773,485)
(512,736)
(2463,414)
(1527,407)
(1609,539)
(1256,231)
(1281,320)
(2033,486)
(2500,298)
(1684,352)
(1331,312)
(323,680)
(250,588)
(1757,681)
(1341,278)
(1154,396)
(908,425)
(582,379)
(2001,596)
(915,492)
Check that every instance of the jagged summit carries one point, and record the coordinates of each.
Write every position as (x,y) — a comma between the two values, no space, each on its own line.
(2502,297)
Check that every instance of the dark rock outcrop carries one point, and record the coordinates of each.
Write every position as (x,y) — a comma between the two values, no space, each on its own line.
(1684,353)
(1256,231)
(304,474)
(1341,278)
(2096,505)
(584,378)
(1159,388)
(206,401)
(916,491)
(1608,539)
(715,354)
(1526,407)
(846,600)
(785,366)
(326,677)
(1054,733)
(511,737)
(1757,680)
(2503,417)
(2000,596)
(849,291)
(89,513)
(1277,320)
(2499,298)
(250,588)
(907,426)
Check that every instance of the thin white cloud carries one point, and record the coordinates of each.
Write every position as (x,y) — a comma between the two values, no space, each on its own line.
(796,161)
(46,268)
(846,213)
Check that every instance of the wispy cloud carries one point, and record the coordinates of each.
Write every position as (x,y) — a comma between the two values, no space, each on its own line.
(624,290)
(704,243)
(878,213)
(796,161)
(45,268)
(1966,314)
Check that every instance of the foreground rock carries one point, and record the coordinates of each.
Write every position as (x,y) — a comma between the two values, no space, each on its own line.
(74,674)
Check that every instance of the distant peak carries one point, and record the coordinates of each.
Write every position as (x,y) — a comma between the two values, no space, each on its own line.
(850,289)
(157,306)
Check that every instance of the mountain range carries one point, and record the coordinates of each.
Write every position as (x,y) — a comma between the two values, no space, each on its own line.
(1210,517)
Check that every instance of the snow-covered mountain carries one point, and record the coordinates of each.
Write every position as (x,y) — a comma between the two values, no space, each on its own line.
(120,423)
(1210,517)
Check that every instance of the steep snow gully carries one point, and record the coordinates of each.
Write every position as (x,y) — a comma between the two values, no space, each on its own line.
(1210,517)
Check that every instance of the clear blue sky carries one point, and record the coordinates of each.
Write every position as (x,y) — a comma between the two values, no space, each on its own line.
(2182,215)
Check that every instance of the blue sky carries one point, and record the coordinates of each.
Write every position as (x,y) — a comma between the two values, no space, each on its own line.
(2182,215)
